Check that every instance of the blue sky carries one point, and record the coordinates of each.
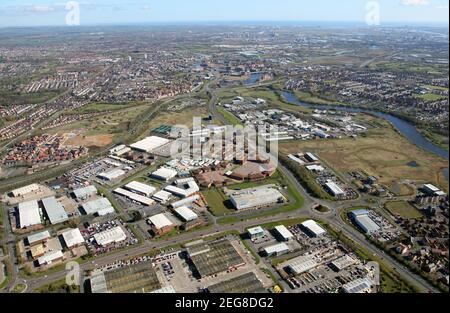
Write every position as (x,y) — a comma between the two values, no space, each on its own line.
(53,12)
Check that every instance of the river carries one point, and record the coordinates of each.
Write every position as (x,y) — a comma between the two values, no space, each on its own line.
(405,128)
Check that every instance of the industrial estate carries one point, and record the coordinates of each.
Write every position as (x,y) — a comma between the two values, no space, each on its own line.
(128,161)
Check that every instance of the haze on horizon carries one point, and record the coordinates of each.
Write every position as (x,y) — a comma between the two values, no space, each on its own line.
(18,13)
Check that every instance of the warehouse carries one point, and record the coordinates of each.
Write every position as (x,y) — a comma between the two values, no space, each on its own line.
(334,189)
(38,238)
(134,197)
(315,168)
(113,235)
(140,188)
(161,224)
(302,264)
(85,192)
(186,201)
(164,174)
(214,257)
(100,206)
(149,144)
(313,229)
(51,257)
(186,214)
(247,284)
(366,224)
(276,250)
(311,157)
(283,233)
(111,175)
(256,232)
(256,198)
(162,196)
(25,190)
(183,191)
(343,262)
(360,285)
(55,211)
(29,214)
(72,238)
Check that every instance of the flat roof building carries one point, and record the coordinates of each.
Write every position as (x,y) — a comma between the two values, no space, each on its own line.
(275,250)
(161,224)
(149,144)
(162,196)
(38,238)
(311,157)
(302,264)
(112,175)
(186,214)
(334,189)
(25,190)
(185,201)
(134,197)
(51,257)
(73,238)
(100,206)
(313,228)
(140,188)
(29,214)
(183,191)
(343,262)
(113,235)
(360,285)
(256,232)
(366,224)
(164,174)
(256,197)
(283,233)
(54,210)
(85,192)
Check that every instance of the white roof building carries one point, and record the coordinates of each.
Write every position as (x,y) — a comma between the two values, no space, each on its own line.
(25,190)
(112,175)
(256,231)
(284,232)
(113,235)
(160,221)
(29,214)
(313,228)
(186,214)
(134,197)
(55,211)
(366,223)
(143,189)
(360,285)
(162,196)
(343,262)
(302,264)
(85,192)
(38,237)
(72,238)
(100,206)
(277,249)
(185,191)
(164,173)
(149,144)
(333,188)
(185,201)
(50,257)
(256,197)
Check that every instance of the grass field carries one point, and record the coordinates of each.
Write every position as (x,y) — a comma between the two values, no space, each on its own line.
(383,153)
(101,107)
(216,201)
(429,97)
(59,286)
(229,117)
(404,209)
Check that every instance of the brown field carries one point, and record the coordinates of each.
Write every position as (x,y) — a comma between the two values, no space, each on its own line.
(383,153)
(184,117)
(90,141)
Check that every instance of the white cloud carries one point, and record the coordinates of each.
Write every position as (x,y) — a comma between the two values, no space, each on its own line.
(415,3)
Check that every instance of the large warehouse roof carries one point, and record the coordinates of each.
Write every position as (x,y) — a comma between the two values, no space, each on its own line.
(256,197)
(73,237)
(38,237)
(24,190)
(50,257)
(314,228)
(83,193)
(284,232)
(160,221)
(164,173)
(302,264)
(186,214)
(149,144)
(141,188)
(55,211)
(29,214)
(111,175)
(334,188)
(134,197)
(184,191)
(100,206)
(360,285)
(366,224)
(109,236)
(277,249)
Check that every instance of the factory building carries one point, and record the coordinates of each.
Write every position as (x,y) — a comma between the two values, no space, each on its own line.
(149,144)
(25,190)
(161,225)
(55,211)
(100,207)
(112,175)
(256,232)
(183,190)
(302,264)
(256,198)
(73,238)
(311,157)
(432,190)
(334,189)
(51,257)
(134,197)
(362,219)
(186,214)
(85,192)
(164,174)
(276,250)
(313,229)
(38,238)
(29,214)
(186,201)
(343,262)
(113,235)
(162,196)
(140,188)
(283,233)
(360,285)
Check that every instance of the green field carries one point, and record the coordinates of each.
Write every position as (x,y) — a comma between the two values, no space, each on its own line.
(101,107)
(216,202)
(404,209)
(429,97)
(229,117)
(59,286)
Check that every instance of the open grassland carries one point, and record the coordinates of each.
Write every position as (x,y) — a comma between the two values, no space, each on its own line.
(101,107)
(404,209)
(382,153)
(184,117)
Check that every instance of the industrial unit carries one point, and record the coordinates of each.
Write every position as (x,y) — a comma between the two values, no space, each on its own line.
(29,214)
(313,229)
(100,206)
(256,198)
(149,144)
(113,235)
(72,238)
(54,210)
(362,219)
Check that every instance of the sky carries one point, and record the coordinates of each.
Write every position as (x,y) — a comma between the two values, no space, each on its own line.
(117,12)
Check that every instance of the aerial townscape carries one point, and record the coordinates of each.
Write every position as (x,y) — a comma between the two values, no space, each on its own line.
(124,157)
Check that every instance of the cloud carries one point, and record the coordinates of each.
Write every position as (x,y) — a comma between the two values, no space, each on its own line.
(415,3)
(146,7)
